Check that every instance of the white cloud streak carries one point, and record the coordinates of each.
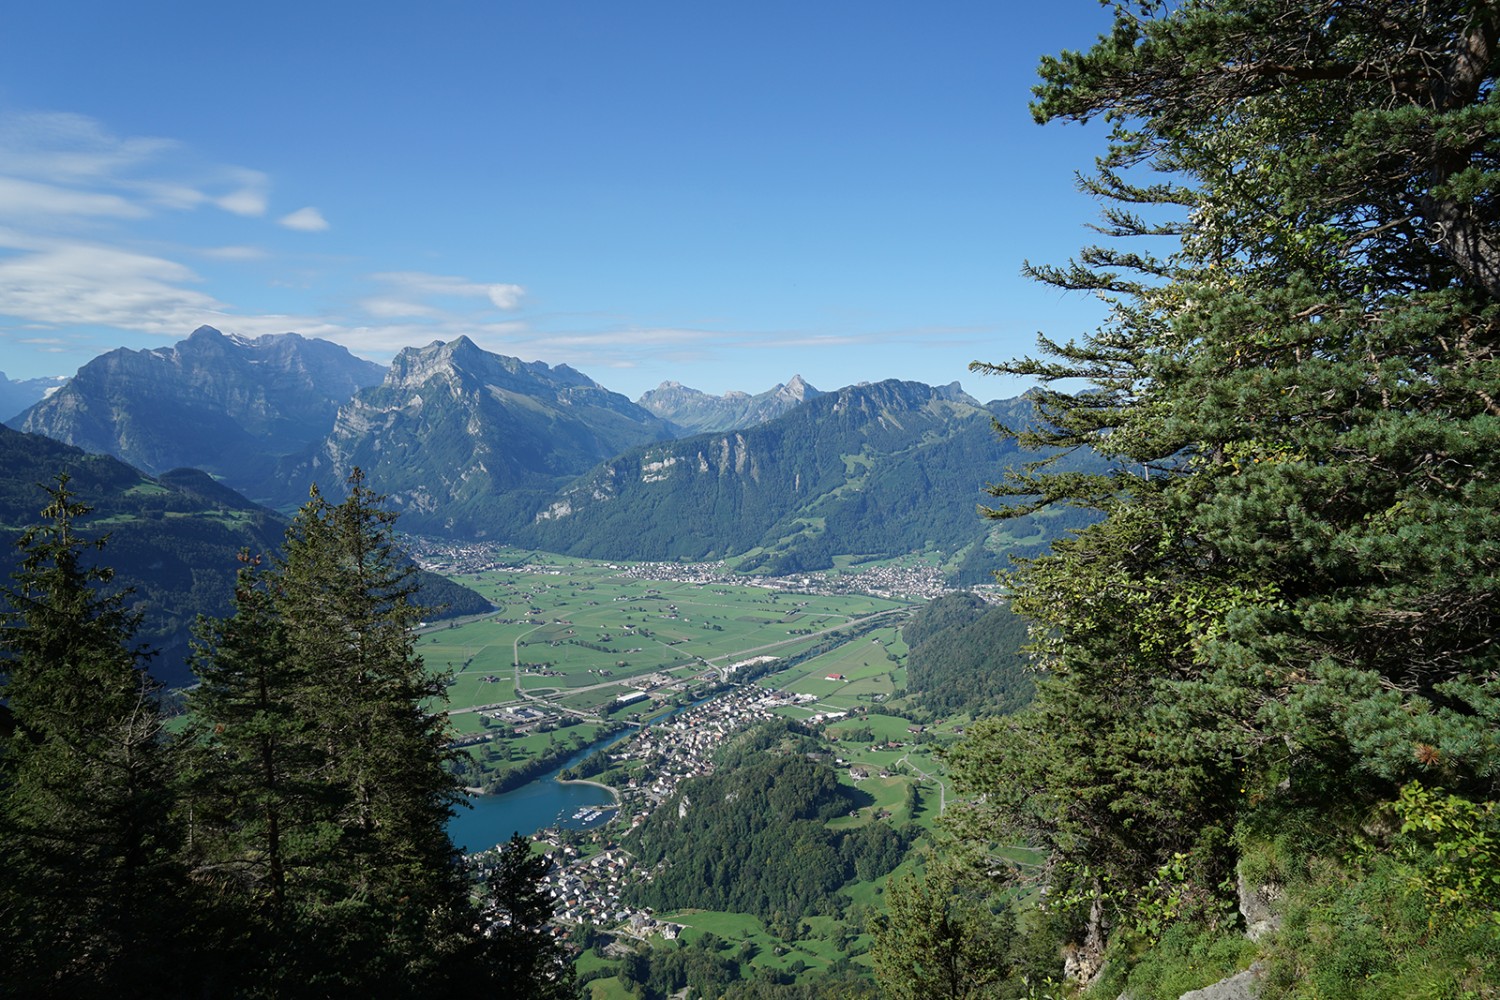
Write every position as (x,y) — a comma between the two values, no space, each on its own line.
(419,284)
(78,283)
(305,220)
(30,200)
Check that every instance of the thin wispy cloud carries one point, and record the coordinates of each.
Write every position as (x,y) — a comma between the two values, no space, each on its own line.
(75,283)
(416,285)
(126,176)
(72,148)
(23,200)
(233,253)
(70,192)
(305,220)
(248,201)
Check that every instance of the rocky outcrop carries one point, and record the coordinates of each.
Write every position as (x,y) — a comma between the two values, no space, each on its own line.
(1241,986)
(694,412)
(1258,905)
(455,433)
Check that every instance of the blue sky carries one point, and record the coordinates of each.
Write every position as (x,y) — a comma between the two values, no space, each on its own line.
(719,194)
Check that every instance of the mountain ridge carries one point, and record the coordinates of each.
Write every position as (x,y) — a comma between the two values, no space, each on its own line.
(697,412)
(879,469)
(456,436)
(227,405)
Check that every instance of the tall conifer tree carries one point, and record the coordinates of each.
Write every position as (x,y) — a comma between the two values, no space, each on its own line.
(323,765)
(88,885)
(1292,600)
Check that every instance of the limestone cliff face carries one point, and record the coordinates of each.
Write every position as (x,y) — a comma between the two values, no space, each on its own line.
(228,405)
(698,412)
(454,432)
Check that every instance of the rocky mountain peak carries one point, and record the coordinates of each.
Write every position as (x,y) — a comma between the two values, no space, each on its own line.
(213,401)
(696,412)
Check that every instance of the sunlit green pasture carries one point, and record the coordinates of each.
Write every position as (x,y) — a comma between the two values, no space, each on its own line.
(580,631)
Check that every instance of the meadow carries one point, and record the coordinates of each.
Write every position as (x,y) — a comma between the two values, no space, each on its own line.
(578,639)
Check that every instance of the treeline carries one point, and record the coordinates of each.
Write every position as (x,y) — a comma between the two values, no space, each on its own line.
(965,656)
(751,837)
(290,840)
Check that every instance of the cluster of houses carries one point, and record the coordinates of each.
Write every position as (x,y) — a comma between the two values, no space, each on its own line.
(682,746)
(588,890)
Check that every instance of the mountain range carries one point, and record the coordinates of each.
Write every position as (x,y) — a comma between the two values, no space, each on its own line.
(872,470)
(20,394)
(459,438)
(691,411)
(468,445)
(231,406)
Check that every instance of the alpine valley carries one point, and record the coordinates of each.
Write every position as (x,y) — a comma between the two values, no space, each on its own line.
(471,445)
(474,445)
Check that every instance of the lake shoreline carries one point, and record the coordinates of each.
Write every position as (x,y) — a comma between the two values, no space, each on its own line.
(613,792)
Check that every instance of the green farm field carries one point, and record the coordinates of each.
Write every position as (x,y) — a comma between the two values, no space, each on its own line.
(581,634)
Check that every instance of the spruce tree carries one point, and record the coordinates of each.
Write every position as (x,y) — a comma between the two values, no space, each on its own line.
(258,810)
(324,791)
(88,886)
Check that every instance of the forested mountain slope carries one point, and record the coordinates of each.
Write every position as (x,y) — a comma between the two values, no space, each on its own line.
(966,656)
(174,539)
(876,470)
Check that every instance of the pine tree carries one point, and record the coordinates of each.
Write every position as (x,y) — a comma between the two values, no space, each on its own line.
(1291,600)
(88,887)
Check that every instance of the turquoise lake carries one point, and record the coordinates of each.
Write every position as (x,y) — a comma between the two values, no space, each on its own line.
(539,803)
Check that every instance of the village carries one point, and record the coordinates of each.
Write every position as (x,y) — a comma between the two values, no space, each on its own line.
(587,889)
(913,582)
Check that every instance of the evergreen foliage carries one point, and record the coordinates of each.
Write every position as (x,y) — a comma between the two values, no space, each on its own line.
(965,656)
(173,540)
(292,840)
(521,952)
(324,767)
(89,885)
(938,940)
(1291,601)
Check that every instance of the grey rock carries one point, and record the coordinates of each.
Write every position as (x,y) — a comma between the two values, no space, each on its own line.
(1240,986)
(695,412)
(1258,905)
(225,404)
